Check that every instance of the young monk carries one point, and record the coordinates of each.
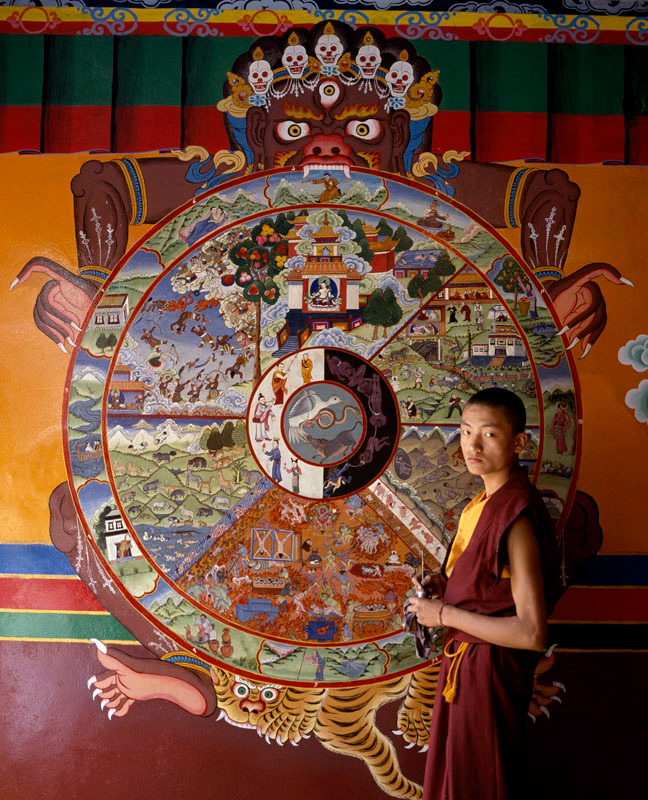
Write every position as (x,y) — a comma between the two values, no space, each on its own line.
(492,600)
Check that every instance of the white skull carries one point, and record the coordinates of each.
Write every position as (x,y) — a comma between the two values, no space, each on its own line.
(400,77)
(260,76)
(295,60)
(328,49)
(368,59)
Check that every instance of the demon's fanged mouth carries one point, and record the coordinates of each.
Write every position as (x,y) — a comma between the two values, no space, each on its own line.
(328,168)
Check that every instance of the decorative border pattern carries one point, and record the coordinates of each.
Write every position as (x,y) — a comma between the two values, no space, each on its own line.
(495,25)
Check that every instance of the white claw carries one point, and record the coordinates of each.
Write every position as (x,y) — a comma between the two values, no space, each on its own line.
(100,646)
(588,347)
(92,680)
(424,749)
(563,330)
(573,344)
(61,346)
(293,743)
(622,279)
(95,693)
(551,649)
(69,341)
(530,715)
(279,742)
(75,326)
(544,710)
(111,712)
(397,733)
(104,703)
(268,739)
(410,745)
(15,281)
(560,685)
(306,736)
(221,715)
(258,730)
(556,699)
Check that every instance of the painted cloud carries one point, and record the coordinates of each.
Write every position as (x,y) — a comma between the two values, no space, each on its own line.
(637,399)
(635,353)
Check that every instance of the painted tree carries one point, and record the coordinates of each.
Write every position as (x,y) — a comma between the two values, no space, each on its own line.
(215,439)
(404,240)
(99,524)
(559,395)
(259,260)
(106,342)
(361,239)
(384,228)
(382,309)
(444,265)
(420,286)
(509,278)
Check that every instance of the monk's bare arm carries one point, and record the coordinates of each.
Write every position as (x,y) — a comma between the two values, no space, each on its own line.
(527,628)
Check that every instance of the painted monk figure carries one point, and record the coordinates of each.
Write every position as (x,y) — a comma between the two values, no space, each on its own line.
(306,368)
(330,191)
(493,584)
(559,424)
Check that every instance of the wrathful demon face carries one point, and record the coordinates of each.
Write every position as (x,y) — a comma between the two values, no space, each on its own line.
(331,126)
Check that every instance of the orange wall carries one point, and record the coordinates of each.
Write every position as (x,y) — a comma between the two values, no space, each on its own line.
(36,219)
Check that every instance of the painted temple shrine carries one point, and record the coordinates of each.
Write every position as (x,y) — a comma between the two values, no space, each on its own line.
(324,293)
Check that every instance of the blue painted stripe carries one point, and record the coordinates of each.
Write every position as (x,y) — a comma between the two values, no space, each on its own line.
(614,571)
(33,559)
(44,559)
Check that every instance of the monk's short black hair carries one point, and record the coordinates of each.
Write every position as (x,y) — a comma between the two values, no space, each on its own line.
(507,401)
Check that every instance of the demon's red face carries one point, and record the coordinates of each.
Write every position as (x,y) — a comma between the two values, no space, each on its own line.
(332,127)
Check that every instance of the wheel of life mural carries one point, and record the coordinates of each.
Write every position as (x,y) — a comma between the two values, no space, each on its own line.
(262,418)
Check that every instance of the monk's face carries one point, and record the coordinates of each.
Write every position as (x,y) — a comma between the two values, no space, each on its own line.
(488,442)
(332,127)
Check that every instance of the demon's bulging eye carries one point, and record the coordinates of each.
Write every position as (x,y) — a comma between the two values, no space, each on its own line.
(329,92)
(240,690)
(289,130)
(367,129)
(269,694)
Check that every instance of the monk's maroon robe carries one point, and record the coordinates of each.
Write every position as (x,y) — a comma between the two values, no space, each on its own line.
(477,742)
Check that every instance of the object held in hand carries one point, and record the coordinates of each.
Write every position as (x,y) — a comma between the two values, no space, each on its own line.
(424,637)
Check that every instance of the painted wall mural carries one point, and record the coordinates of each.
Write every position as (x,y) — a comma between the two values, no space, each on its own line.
(268,348)
(266,449)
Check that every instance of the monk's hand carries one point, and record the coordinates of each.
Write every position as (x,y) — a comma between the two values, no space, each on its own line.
(430,585)
(426,611)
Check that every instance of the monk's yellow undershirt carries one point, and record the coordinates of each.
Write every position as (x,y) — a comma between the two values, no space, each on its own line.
(467,524)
